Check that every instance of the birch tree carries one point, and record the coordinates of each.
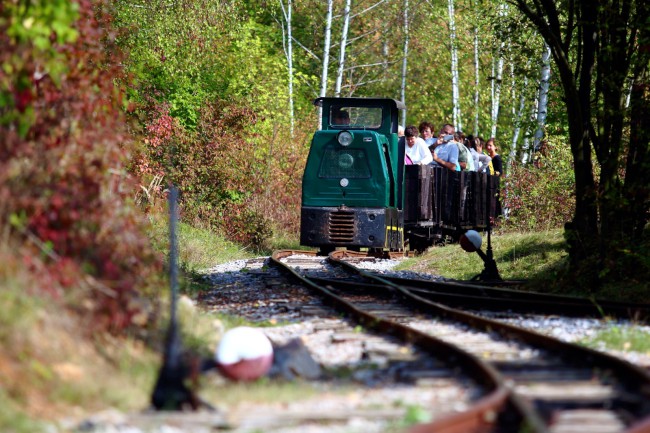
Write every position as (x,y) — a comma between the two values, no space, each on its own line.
(544,81)
(497,69)
(454,67)
(344,42)
(326,58)
(517,120)
(405,59)
(477,77)
(287,39)
(497,78)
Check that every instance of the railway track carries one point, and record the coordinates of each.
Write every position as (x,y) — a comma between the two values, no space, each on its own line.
(522,380)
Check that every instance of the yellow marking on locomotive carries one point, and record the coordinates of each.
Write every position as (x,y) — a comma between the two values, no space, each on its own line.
(392,229)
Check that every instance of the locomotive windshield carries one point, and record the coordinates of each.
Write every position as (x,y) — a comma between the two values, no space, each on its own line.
(356,117)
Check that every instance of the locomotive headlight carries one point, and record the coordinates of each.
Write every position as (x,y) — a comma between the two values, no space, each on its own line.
(345,138)
(344,182)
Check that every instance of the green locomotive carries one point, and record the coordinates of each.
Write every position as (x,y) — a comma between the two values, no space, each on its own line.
(357,193)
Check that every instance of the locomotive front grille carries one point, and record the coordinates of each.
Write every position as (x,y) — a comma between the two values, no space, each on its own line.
(341,227)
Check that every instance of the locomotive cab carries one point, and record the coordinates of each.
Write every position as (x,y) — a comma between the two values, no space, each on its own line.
(352,183)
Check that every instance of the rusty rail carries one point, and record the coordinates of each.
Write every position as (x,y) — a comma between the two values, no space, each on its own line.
(482,416)
(635,380)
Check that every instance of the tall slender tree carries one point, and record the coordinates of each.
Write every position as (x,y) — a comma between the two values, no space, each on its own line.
(288,50)
(454,67)
(497,79)
(344,43)
(544,82)
(477,78)
(326,57)
(405,58)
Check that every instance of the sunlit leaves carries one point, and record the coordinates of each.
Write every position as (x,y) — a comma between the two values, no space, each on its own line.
(32,32)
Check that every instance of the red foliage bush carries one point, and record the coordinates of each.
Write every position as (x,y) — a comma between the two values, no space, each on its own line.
(214,167)
(62,180)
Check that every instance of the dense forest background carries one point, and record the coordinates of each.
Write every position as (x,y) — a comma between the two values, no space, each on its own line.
(228,89)
(103,104)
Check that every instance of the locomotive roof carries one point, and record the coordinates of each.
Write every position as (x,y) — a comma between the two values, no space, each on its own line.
(362,102)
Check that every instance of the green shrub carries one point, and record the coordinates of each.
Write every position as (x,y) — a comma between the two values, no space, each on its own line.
(540,196)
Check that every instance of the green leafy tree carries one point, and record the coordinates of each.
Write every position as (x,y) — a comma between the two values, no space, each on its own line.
(601,53)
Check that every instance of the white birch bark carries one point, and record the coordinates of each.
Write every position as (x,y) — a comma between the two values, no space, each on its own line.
(496,86)
(496,83)
(527,147)
(326,58)
(517,122)
(344,39)
(405,58)
(513,90)
(454,67)
(289,55)
(544,80)
(476,82)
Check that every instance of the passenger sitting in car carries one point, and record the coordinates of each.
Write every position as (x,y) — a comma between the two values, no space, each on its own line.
(481,160)
(416,149)
(426,132)
(446,153)
(465,159)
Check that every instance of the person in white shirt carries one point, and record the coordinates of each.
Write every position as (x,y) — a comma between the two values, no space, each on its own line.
(416,149)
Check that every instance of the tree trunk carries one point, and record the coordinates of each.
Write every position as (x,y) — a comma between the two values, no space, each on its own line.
(476,82)
(326,58)
(344,41)
(636,191)
(405,59)
(544,81)
(289,55)
(496,85)
(514,149)
(455,94)
(583,232)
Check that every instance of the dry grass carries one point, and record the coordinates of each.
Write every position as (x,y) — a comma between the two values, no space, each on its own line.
(51,368)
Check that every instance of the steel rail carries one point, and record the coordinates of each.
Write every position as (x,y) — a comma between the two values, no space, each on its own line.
(566,304)
(542,302)
(488,301)
(499,401)
(635,379)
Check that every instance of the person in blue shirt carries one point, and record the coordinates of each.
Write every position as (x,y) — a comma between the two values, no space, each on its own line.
(446,153)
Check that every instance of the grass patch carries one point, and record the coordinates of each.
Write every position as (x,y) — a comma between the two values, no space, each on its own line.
(53,368)
(518,256)
(284,241)
(621,338)
(197,248)
(541,258)
(224,393)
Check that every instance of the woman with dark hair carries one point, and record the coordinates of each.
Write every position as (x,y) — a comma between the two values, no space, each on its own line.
(426,131)
(496,165)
